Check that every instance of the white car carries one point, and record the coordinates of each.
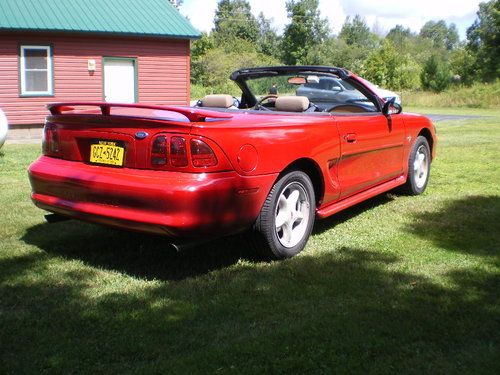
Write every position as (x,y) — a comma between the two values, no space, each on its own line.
(3,128)
(382,93)
(387,94)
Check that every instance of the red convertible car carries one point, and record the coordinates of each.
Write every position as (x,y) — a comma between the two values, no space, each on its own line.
(266,163)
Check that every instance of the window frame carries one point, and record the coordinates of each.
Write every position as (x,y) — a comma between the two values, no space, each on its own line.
(22,70)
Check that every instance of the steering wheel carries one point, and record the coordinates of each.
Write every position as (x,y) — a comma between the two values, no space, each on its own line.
(267,97)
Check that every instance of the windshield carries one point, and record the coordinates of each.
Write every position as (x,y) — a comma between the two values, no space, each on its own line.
(324,91)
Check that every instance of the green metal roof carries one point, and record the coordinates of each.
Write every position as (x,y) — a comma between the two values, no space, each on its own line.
(156,18)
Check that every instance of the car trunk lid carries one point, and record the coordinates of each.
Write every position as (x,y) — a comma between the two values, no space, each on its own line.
(116,135)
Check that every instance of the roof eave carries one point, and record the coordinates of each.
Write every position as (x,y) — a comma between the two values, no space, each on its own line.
(102,33)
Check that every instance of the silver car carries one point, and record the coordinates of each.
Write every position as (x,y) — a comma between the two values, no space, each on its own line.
(324,91)
(3,128)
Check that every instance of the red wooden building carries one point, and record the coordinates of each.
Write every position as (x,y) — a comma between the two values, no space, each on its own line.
(91,50)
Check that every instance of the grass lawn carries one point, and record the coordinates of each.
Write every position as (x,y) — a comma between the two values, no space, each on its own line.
(399,285)
(490,112)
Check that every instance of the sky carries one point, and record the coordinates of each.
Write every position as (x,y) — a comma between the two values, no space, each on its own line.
(381,14)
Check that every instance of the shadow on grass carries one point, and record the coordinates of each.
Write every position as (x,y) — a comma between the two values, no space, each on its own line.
(326,224)
(151,257)
(138,255)
(333,313)
(470,225)
(350,311)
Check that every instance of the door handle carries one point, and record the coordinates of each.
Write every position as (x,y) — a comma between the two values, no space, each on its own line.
(350,138)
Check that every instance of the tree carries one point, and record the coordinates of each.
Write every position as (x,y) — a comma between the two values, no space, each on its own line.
(408,43)
(268,42)
(218,64)
(452,38)
(234,20)
(463,63)
(356,32)
(305,31)
(442,36)
(435,75)
(381,64)
(199,48)
(484,39)
(387,67)
(407,74)
(336,52)
(399,36)
(177,3)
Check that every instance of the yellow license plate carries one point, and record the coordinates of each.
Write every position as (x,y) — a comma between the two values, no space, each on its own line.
(107,152)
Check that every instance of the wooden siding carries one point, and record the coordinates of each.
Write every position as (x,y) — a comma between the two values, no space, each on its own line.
(163,71)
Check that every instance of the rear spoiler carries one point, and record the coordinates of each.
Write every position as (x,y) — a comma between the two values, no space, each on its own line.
(192,114)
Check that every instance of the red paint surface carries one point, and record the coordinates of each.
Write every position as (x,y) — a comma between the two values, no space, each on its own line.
(173,203)
(163,71)
(226,198)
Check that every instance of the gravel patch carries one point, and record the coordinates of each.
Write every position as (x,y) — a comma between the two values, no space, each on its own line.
(437,118)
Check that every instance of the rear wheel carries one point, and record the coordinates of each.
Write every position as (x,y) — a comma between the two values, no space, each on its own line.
(287,217)
(419,165)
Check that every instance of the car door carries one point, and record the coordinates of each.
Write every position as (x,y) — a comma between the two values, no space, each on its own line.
(371,147)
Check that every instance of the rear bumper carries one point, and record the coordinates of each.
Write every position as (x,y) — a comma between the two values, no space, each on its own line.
(172,203)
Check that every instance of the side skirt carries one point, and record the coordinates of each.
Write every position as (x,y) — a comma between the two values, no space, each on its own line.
(355,199)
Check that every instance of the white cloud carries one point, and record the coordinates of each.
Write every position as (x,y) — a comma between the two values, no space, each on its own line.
(414,14)
(386,13)
(429,9)
(276,9)
(200,13)
(333,10)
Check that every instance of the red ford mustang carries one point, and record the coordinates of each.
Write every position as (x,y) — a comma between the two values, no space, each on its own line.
(269,161)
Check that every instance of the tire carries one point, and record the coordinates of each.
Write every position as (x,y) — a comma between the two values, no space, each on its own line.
(286,219)
(419,167)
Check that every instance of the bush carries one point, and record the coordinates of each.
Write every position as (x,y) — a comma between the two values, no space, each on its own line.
(199,91)
(407,75)
(479,95)
(436,75)
(387,68)
(213,68)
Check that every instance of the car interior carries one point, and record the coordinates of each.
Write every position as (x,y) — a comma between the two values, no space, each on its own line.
(302,93)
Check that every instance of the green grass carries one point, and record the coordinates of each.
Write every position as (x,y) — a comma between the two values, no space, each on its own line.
(479,95)
(398,284)
(456,111)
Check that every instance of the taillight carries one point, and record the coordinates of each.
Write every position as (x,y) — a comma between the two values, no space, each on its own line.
(175,151)
(50,141)
(159,151)
(202,155)
(178,152)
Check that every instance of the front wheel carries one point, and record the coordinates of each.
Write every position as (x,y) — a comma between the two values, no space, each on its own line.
(287,217)
(419,166)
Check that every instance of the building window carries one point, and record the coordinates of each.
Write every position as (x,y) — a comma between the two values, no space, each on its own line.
(36,70)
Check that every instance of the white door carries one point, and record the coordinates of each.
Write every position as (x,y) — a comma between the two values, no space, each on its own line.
(119,80)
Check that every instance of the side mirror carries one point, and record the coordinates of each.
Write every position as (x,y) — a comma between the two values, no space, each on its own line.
(391,107)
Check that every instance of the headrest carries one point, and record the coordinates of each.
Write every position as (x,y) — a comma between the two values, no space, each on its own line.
(292,103)
(217,101)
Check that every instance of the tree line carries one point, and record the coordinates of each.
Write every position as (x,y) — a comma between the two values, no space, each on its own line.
(432,59)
